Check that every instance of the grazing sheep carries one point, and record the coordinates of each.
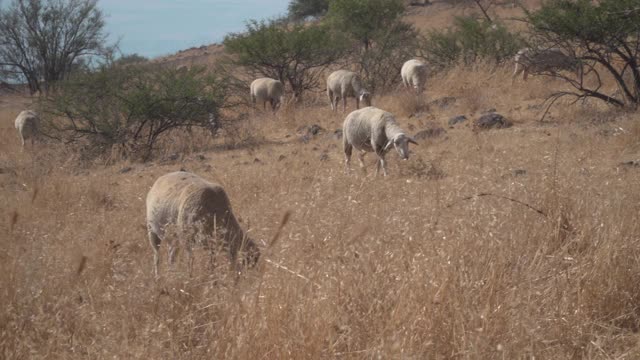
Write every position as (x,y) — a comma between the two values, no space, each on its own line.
(373,130)
(27,123)
(342,84)
(531,61)
(267,90)
(194,208)
(414,74)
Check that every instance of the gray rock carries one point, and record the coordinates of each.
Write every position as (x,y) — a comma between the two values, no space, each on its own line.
(311,130)
(337,134)
(125,170)
(519,172)
(492,121)
(457,120)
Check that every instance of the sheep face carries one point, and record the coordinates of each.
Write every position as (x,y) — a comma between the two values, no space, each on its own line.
(401,143)
(365,97)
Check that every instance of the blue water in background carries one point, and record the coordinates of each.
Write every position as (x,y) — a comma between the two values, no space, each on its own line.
(161,27)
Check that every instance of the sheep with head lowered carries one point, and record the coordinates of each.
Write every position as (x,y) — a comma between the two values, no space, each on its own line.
(532,61)
(342,84)
(373,130)
(182,204)
(414,75)
(265,90)
(27,124)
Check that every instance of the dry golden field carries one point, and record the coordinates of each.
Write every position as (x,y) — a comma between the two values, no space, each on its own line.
(516,243)
(405,267)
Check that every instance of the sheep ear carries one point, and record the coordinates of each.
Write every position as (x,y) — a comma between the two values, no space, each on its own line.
(389,143)
(410,139)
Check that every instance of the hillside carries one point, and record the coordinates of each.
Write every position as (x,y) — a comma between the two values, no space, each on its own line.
(509,243)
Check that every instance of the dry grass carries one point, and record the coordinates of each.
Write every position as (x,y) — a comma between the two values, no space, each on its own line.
(504,244)
(413,266)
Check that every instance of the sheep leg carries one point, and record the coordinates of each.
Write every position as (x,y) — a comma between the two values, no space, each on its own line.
(525,74)
(190,257)
(361,158)
(518,69)
(381,164)
(155,245)
(344,104)
(348,149)
(331,100)
(357,102)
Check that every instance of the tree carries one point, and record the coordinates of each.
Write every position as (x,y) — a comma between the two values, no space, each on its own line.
(364,20)
(605,38)
(41,40)
(132,106)
(292,53)
(469,40)
(301,9)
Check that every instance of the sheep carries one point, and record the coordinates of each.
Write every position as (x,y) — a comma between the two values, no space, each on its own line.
(267,90)
(373,130)
(342,84)
(414,74)
(27,124)
(531,61)
(187,205)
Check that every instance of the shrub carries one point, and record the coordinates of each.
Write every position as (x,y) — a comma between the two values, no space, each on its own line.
(292,53)
(468,41)
(382,41)
(132,106)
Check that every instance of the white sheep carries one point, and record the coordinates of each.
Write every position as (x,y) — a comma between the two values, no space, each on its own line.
(414,75)
(267,90)
(373,130)
(27,124)
(533,61)
(182,204)
(342,84)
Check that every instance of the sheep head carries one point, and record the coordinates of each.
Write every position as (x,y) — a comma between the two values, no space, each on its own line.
(401,143)
(365,97)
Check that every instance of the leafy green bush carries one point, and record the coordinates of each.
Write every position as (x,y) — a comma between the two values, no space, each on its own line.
(382,42)
(470,40)
(364,20)
(132,106)
(295,54)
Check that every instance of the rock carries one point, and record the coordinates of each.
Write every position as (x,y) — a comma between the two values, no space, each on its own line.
(324,157)
(457,119)
(429,133)
(443,102)
(281,157)
(173,157)
(201,157)
(337,134)
(256,160)
(492,110)
(491,121)
(310,131)
(125,169)
(519,172)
